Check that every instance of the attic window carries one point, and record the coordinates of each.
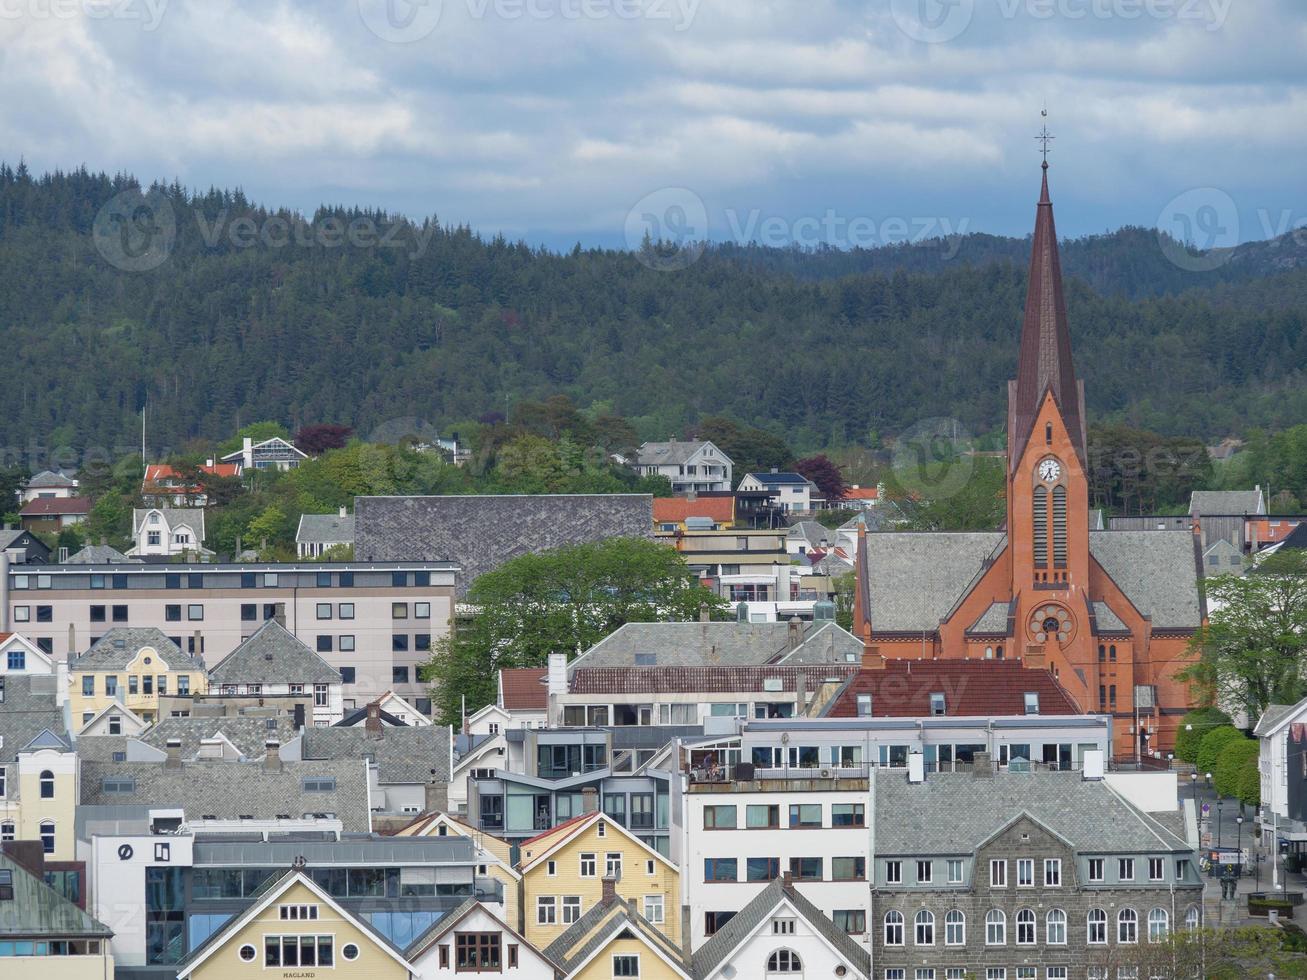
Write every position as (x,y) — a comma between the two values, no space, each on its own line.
(6,885)
(937,703)
(646,659)
(1032,702)
(864,705)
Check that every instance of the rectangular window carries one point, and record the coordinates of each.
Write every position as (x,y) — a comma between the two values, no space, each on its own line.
(1052,872)
(345,610)
(626,965)
(806,868)
(324,643)
(347,674)
(248,580)
(171,613)
(269,580)
(1125,869)
(613,864)
(324,610)
(848,868)
(587,869)
(763,869)
(955,871)
(399,675)
(324,580)
(1025,873)
(546,910)
(88,685)
(421,610)
(571,908)
(654,909)
(721,869)
(23,614)
(805,814)
(320,695)
(477,952)
(347,644)
(399,643)
(184,685)
(1156,869)
(848,815)
(119,613)
(893,872)
(399,579)
(1095,869)
(195,612)
(719,818)
(249,612)
(399,610)
(762,817)
(925,872)
(422,579)
(997,874)
(852,922)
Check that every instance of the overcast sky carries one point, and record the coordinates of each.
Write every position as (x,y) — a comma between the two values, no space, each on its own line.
(558,120)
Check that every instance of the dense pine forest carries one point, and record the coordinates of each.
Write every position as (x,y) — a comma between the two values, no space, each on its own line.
(824,348)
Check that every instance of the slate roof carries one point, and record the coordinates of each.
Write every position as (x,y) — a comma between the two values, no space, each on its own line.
(56,506)
(954,813)
(482,531)
(688,680)
(811,533)
(1157,570)
(325,528)
(1106,621)
(993,620)
(823,643)
(100,554)
(248,733)
(228,790)
(174,517)
(9,535)
(109,654)
(745,922)
(38,911)
(1274,715)
(524,688)
(914,579)
(28,709)
(673,510)
(47,479)
(720,644)
(403,755)
(971,688)
(1226,503)
(273,655)
(603,919)
(672,453)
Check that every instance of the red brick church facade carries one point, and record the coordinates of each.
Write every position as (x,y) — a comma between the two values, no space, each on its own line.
(1110,613)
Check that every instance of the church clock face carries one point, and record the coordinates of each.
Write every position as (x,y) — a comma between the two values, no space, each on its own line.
(1049,470)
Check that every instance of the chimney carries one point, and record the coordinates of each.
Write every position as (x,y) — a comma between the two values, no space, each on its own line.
(272,759)
(28,854)
(1035,656)
(72,641)
(197,646)
(373,722)
(916,768)
(610,890)
(796,633)
(983,766)
(871,658)
(800,693)
(174,749)
(558,673)
(342,512)
(589,799)
(704,615)
(280,615)
(435,796)
(787,880)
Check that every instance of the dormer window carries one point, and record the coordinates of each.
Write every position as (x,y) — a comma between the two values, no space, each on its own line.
(937,703)
(154,518)
(1032,702)
(864,705)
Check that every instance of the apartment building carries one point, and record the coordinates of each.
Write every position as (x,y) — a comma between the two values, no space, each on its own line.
(374,622)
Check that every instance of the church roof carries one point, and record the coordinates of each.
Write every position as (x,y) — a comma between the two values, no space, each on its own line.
(1044,363)
(1106,621)
(915,578)
(1156,570)
(994,620)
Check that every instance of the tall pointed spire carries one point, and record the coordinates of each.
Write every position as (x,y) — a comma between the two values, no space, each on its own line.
(1045,359)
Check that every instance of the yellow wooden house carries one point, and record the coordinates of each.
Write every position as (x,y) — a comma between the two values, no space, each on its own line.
(563,872)
(134,667)
(296,930)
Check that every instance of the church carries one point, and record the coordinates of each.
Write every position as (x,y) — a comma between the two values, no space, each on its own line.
(1109,613)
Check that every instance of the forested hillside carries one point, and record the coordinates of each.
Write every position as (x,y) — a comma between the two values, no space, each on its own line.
(822,348)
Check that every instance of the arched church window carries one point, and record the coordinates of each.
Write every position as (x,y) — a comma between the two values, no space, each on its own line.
(1102,653)
(1040,526)
(1111,653)
(1048,433)
(1059,525)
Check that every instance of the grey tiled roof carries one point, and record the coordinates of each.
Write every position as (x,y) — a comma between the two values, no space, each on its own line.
(1107,621)
(228,790)
(37,911)
(248,734)
(728,644)
(671,453)
(325,528)
(811,533)
(481,532)
(273,656)
(48,478)
(1274,715)
(29,708)
(109,654)
(403,755)
(993,620)
(916,577)
(566,952)
(1226,503)
(100,554)
(723,942)
(953,813)
(1157,571)
(174,516)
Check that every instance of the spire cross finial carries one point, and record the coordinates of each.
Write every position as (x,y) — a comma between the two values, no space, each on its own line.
(1045,137)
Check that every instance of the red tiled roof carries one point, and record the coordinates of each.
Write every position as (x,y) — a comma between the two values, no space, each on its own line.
(861,493)
(54,506)
(158,472)
(524,689)
(674,510)
(970,687)
(689,680)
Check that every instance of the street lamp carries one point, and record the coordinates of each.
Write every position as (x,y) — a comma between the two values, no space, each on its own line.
(1193,781)
(1239,845)
(1218,823)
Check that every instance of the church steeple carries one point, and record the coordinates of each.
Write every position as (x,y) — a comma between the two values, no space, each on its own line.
(1045,359)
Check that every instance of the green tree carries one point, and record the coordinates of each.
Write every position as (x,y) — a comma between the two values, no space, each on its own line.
(1193,727)
(257,431)
(1209,749)
(751,450)
(564,600)
(978,503)
(1252,650)
(271,526)
(1231,762)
